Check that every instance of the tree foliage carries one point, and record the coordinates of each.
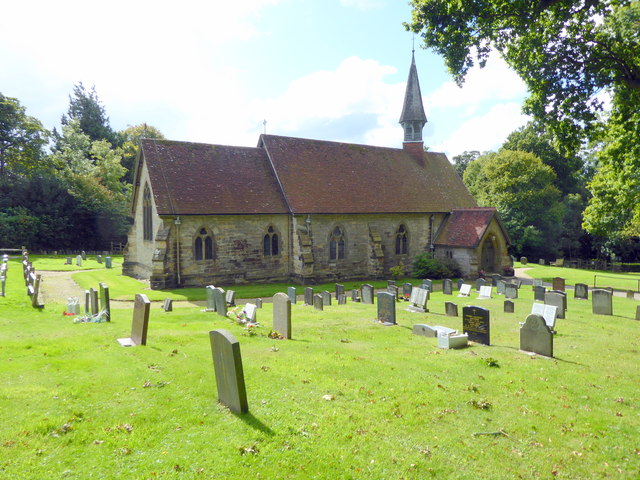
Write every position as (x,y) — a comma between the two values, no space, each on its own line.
(462,161)
(131,137)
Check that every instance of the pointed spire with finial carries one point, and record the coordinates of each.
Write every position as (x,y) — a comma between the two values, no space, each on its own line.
(413,117)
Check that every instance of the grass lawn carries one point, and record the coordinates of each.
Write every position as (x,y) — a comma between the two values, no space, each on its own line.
(619,281)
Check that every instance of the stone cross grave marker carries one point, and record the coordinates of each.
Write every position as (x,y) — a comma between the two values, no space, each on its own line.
(326,298)
(500,287)
(407,288)
(447,286)
(291,292)
(105,302)
(451,309)
(536,336)
(539,293)
(559,284)
(282,314)
(139,323)
(511,291)
(476,323)
(339,289)
(168,305)
(221,303)
(367,294)
(227,363)
(465,290)
(35,297)
(508,306)
(317,302)
(108,262)
(211,299)
(308,296)
(485,292)
(548,312)
(386,308)
(479,284)
(554,298)
(601,301)
(581,291)
(230,298)
(250,312)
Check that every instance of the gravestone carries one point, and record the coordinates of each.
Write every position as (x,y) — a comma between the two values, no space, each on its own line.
(564,297)
(355,295)
(105,302)
(87,302)
(93,301)
(250,312)
(495,278)
(427,284)
(631,294)
(548,312)
(139,323)
(479,284)
(511,291)
(367,294)
(108,262)
(465,290)
(638,312)
(35,297)
(386,308)
(485,292)
(342,299)
(211,299)
(73,306)
(230,298)
(508,306)
(536,337)
(451,309)
(393,290)
(69,261)
(581,291)
(447,286)
(308,296)
(227,363)
(418,300)
(79,261)
(221,304)
(317,302)
(168,305)
(542,261)
(555,299)
(99,259)
(282,314)
(500,287)
(326,298)
(83,254)
(539,293)
(517,282)
(391,283)
(407,288)
(476,324)
(3,281)
(339,289)
(430,332)
(258,303)
(537,282)
(291,293)
(524,260)
(460,283)
(601,301)
(559,284)
(452,340)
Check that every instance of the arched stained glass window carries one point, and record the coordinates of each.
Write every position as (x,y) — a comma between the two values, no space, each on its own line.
(147,221)
(270,246)
(336,244)
(203,245)
(401,240)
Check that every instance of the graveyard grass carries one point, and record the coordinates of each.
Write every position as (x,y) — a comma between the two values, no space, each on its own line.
(345,399)
(618,281)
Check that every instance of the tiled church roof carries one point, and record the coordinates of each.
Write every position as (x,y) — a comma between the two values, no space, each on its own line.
(466,227)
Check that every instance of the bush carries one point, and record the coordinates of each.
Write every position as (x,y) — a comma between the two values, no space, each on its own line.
(425,266)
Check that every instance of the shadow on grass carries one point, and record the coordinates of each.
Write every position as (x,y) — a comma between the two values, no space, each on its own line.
(255,423)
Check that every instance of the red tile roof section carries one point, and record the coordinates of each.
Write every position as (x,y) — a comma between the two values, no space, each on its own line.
(330,177)
(465,227)
(201,179)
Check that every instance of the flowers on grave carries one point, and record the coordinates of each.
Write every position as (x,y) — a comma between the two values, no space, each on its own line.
(238,314)
(250,330)
(275,335)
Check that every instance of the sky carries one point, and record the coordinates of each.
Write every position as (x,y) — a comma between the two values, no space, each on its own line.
(214,71)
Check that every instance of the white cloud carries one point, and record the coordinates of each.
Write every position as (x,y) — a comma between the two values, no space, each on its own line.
(362,4)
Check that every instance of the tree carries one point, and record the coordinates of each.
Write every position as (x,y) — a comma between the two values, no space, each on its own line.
(522,189)
(131,137)
(566,51)
(22,139)
(462,161)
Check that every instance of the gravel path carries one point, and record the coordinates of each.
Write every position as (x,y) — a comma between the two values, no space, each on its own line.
(58,286)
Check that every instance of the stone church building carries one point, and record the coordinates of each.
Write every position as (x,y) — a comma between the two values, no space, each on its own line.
(306,211)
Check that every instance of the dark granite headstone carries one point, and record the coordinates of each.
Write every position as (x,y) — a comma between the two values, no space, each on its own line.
(508,306)
(536,337)
(476,324)
(105,302)
(460,283)
(559,284)
(555,299)
(282,314)
(581,291)
(451,309)
(406,291)
(139,323)
(168,305)
(326,298)
(539,293)
(291,292)
(221,303)
(367,294)
(308,296)
(317,302)
(510,291)
(447,286)
(386,308)
(339,289)
(227,362)
(495,278)
(601,301)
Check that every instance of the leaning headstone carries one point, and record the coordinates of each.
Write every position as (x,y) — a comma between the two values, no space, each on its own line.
(211,299)
(601,301)
(476,324)
(342,299)
(479,284)
(227,362)
(465,290)
(326,298)
(93,299)
(308,296)
(451,309)
(536,337)
(559,284)
(139,323)
(485,292)
(250,312)
(35,298)
(386,308)
(539,293)
(79,261)
(407,288)
(508,306)
(511,291)
(230,298)
(427,284)
(355,295)
(291,293)
(168,305)
(221,303)
(282,314)
(108,262)
(105,302)
(500,287)
(555,299)
(581,291)
(317,302)
(99,259)
(339,289)
(447,286)
(367,294)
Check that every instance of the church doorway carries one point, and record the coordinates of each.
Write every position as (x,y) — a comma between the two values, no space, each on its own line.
(488,256)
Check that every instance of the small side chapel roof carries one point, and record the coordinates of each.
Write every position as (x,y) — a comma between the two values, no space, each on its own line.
(465,227)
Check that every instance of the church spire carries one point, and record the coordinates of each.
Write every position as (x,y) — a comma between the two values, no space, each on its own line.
(413,117)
